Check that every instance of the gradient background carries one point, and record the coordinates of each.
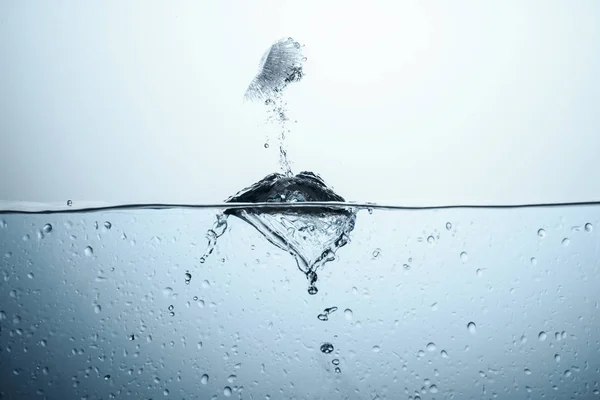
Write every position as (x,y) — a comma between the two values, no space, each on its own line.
(403,102)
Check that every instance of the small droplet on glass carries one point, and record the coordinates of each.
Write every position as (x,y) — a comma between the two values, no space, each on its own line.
(69,203)
(448,226)
(464,257)
(335,361)
(541,232)
(472,327)
(47,228)
(589,227)
(542,336)
(88,251)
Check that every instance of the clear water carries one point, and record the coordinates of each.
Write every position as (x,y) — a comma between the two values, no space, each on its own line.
(430,304)
(285,291)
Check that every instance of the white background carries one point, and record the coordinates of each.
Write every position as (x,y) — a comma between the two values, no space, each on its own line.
(403,102)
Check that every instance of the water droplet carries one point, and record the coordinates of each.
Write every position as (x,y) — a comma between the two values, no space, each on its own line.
(348,314)
(43,343)
(205,284)
(323,317)
(430,346)
(376,253)
(430,239)
(195,298)
(433,389)
(330,310)
(312,290)
(69,203)
(172,314)
(227,391)
(533,261)
(304,58)
(568,373)
(376,349)
(479,272)
(448,225)
(171,307)
(88,251)
(297,45)
(97,308)
(370,210)
(557,357)
(107,225)
(204,379)
(406,267)
(30,275)
(335,361)
(434,307)
(166,392)
(589,227)
(542,336)
(565,242)
(167,292)
(47,228)
(266,145)
(106,377)
(188,277)
(444,353)
(464,257)
(472,327)
(326,348)
(527,371)
(541,232)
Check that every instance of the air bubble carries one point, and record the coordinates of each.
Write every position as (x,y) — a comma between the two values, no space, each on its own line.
(323,317)
(47,228)
(326,348)
(542,336)
(88,251)
(348,314)
(533,261)
(472,327)
(541,232)
(204,379)
(589,227)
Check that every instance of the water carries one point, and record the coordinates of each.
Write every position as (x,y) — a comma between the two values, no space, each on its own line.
(240,299)
(248,305)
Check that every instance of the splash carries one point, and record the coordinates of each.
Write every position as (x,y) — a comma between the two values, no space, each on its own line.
(281,65)
(311,235)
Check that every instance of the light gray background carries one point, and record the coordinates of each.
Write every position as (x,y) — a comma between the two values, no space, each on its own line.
(403,102)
